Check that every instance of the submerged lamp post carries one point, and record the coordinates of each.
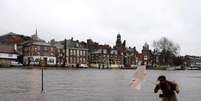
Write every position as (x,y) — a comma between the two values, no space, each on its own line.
(42,80)
(42,84)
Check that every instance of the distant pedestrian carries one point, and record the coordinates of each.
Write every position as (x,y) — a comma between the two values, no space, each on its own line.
(168,89)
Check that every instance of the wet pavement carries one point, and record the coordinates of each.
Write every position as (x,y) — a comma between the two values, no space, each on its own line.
(91,85)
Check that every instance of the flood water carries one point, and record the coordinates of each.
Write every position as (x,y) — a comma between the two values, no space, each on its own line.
(91,85)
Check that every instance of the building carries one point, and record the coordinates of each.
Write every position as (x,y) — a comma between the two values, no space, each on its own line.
(76,54)
(13,38)
(100,59)
(59,52)
(139,58)
(192,61)
(119,43)
(8,55)
(130,58)
(91,45)
(125,57)
(147,54)
(116,59)
(99,55)
(37,51)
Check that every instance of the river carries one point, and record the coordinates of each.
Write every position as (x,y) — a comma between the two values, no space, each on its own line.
(91,85)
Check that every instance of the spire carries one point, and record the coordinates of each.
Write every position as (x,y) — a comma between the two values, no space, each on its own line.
(146,46)
(119,36)
(118,41)
(35,35)
(36,32)
(124,43)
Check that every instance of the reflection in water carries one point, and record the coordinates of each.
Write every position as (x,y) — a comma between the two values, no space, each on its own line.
(35,78)
(91,84)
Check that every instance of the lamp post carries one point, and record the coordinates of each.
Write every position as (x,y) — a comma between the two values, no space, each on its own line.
(42,89)
(42,84)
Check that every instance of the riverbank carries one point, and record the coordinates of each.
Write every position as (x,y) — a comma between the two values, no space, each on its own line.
(126,68)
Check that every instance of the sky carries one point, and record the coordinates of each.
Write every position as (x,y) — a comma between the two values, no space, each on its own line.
(138,21)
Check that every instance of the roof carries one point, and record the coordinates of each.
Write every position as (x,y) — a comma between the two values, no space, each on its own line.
(104,51)
(59,46)
(38,43)
(74,44)
(41,43)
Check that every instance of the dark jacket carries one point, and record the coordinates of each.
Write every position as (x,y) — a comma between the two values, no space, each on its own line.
(168,89)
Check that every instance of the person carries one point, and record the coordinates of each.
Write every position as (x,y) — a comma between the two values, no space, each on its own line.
(168,89)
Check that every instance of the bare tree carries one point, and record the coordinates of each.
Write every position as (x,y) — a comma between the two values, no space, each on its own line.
(168,50)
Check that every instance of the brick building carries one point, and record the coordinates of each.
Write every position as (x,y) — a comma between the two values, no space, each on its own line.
(100,58)
(76,54)
(37,50)
(116,59)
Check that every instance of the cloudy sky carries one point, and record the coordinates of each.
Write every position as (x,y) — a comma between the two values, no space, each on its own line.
(138,21)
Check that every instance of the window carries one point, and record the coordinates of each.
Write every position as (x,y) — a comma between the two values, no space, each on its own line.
(74,61)
(51,54)
(38,47)
(45,48)
(80,60)
(71,52)
(78,52)
(74,52)
(10,55)
(35,49)
(32,49)
(71,59)
(51,61)
(83,53)
(51,49)
(37,59)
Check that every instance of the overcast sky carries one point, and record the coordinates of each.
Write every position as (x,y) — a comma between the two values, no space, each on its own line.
(138,21)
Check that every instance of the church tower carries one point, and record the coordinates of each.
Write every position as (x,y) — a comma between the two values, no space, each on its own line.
(147,53)
(118,41)
(145,47)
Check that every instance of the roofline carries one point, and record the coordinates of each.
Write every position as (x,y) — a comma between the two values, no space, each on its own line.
(78,48)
